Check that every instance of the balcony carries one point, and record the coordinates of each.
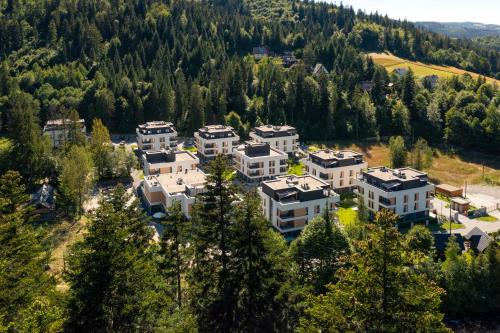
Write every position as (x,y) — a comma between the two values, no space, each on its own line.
(292,224)
(255,166)
(387,202)
(209,152)
(146,141)
(292,214)
(209,145)
(324,176)
(254,173)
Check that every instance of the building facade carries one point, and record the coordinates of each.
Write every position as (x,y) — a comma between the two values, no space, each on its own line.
(168,161)
(405,191)
(161,191)
(290,202)
(340,169)
(58,130)
(156,135)
(284,138)
(256,162)
(213,140)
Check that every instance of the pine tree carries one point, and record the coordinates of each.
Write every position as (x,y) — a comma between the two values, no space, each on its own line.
(378,291)
(397,152)
(213,298)
(317,252)
(115,282)
(259,269)
(24,280)
(174,244)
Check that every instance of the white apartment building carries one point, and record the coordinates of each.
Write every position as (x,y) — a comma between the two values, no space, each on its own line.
(283,138)
(213,140)
(405,191)
(58,130)
(156,135)
(168,161)
(340,169)
(160,191)
(256,162)
(290,202)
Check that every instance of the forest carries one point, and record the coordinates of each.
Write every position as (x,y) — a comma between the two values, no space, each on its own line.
(118,63)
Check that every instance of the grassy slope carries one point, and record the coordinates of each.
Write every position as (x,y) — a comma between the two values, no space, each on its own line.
(453,169)
(391,62)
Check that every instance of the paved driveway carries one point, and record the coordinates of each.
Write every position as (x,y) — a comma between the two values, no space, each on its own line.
(468,223)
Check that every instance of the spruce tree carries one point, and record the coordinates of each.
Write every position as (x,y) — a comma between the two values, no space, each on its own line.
(115,281)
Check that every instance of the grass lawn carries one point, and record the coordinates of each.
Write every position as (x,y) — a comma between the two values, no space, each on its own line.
(296,169)
(444,227)
(191,149)
(346,216)
(391,62)
(61,236)
(487,218)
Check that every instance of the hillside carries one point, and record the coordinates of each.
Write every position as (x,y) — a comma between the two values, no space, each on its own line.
(462,29)
(391,62)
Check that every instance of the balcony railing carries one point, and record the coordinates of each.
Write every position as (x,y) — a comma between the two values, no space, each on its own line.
(387,202)
(255,166)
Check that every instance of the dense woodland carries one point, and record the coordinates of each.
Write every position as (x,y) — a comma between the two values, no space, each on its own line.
(120,62)
(126,62)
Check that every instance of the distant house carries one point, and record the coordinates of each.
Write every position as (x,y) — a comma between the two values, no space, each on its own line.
(477,239)
(431,80)
(367,85)
(58,130)
(319,69)
(44,198)
(260,52)
(288,58)
(400,71)
(441,241)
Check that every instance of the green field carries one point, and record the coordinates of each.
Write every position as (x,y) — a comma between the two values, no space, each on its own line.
(487,218)
(391,62)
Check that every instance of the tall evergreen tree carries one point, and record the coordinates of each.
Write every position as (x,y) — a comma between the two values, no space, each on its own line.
(115,282)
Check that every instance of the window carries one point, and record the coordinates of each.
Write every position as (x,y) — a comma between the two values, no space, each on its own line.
(370,195)
(277,143)
(416,196)
(341,174)
(341,183)
(314,172)
(427,204)
(162,139)
(416,206)
(405,198)
(271,171)
(405,208)
(317,209)
(271,163)
(350,181)
(284,143)
(351,173)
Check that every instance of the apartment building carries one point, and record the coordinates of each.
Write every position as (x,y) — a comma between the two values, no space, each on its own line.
(256,162)
(58,130)
(290,202)
(156,135)
(283,138)
(338,168)
(213,140)
(169,161)
(160,191)
(405,191)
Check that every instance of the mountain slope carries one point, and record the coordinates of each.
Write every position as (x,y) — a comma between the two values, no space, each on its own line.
(462,29)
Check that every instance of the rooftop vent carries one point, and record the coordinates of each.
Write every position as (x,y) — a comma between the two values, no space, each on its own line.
(179,181)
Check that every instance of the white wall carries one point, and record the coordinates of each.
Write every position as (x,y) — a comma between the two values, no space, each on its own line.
(155,138)
(287,144)
(335,173)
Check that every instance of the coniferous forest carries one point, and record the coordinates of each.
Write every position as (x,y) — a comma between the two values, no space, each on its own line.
(119,63)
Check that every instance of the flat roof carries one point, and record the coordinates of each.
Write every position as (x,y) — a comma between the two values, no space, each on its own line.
(62,121)
(216,129)
(156,124)
(274,128)
(163,156)
(448,187)
(402,174)
(177,182)
(328,154)
(460,200)
(303,183)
